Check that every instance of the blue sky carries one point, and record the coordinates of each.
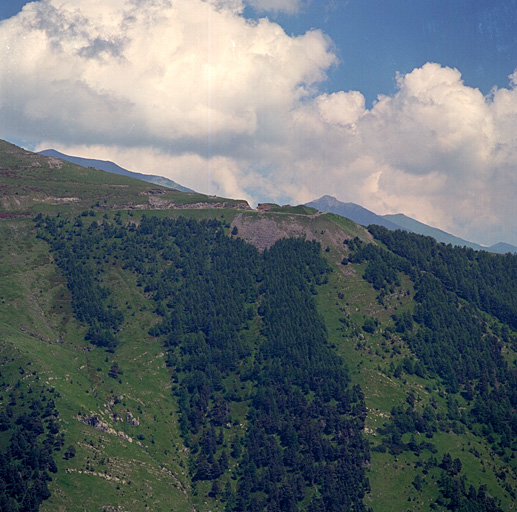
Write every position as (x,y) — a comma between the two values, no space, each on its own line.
(401,106)
(10,8)
(377,38)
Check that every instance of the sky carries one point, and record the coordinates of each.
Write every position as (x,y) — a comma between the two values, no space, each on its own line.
(401,106)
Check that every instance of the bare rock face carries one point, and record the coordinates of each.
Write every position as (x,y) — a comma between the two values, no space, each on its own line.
(170,204)
(264,231)
(132,420)
(95,422)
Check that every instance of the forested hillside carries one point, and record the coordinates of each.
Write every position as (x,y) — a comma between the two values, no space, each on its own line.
(216,359)
(304,435)
(451,339)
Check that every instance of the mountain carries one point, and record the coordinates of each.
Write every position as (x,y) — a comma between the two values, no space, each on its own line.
(108,166)
(400,221)
(32,183)
(351,211)
(414,226)
(441,236)
(502,248)
(170,351)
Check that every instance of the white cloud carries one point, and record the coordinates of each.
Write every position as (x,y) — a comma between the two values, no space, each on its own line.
(216,175)
(442,140)
(341,108)
(191,90)
(167,70)
(437,150)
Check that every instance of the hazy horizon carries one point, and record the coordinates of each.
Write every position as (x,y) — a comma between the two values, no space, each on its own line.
(402,108)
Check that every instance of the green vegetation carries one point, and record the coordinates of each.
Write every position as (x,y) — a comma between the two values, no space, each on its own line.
(305,428)
(32,184)
(451,344)
(300,209)
(215,359)
(29,438)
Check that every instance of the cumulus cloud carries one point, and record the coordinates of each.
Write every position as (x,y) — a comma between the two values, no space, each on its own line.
(167,71)
(341,108)
(437,150)
(194,91)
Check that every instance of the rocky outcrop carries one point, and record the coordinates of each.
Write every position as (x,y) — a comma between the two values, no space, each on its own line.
(263,231)
(169,204)
(95,422)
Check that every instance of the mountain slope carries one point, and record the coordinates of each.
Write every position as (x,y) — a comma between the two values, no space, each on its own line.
(502,248)
(422,229)
(351,211)
(32,183)
(223,359)
(441,236)
(108,166)
(400,221)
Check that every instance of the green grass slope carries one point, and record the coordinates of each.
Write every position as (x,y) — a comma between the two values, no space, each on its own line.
(125,465)
(119,443)
(346,302)
(31,183)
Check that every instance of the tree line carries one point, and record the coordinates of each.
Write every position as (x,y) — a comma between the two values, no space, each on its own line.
(266,407)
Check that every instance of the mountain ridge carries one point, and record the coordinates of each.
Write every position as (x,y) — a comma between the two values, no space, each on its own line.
(33,183)
(438,234)
(352,211)
(210,358)
(112,167)
(400,221)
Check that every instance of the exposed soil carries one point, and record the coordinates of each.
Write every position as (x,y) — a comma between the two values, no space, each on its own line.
(263,231)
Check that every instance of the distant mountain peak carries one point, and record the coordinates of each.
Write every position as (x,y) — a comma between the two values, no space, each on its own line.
(106,165)
(329,199)
(352,211)
(396,221)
